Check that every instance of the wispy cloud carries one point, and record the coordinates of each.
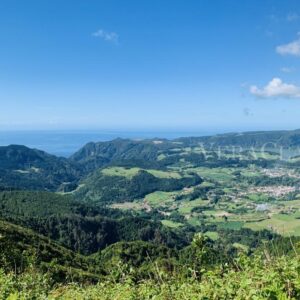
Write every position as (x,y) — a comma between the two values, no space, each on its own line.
(269,33)
(287,69)
(106,36)
(291,17)
(292,48)
(276,88)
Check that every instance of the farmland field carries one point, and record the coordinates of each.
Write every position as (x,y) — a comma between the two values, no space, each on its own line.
(257,191)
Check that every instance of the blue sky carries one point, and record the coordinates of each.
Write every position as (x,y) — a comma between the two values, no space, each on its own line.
(170,65)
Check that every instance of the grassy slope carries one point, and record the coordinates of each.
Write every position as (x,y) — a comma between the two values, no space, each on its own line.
(131,172)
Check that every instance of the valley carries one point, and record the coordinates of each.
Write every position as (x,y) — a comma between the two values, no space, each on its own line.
(233,197)
(226,181)
(149,210)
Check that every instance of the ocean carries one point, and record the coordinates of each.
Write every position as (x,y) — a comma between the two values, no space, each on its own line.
(65,143)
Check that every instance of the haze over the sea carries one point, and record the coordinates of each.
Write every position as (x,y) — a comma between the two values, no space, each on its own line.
(66,142)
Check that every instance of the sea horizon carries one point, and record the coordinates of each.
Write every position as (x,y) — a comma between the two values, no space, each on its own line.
(66,142)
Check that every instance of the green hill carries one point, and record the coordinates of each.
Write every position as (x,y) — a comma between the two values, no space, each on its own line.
(100,187)
(285,138)
(22,248)
(25,168)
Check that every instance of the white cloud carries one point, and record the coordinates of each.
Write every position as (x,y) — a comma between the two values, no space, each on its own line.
(276,88)
(292,17)
(292,48)
(107,36)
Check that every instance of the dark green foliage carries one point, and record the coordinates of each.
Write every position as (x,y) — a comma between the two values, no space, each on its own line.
(198,192)
(88,235)
(96,155)
(24,168)
(202,253)
(99,188)
(20,247)
(140,256)
(34,204)
(268,139)
(266,180)
(81,227)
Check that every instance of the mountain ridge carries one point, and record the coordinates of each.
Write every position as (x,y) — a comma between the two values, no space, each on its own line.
(24,168)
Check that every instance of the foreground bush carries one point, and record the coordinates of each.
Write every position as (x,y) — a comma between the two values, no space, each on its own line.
(258,277)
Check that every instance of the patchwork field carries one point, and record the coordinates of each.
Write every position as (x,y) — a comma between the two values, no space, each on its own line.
(239,190)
